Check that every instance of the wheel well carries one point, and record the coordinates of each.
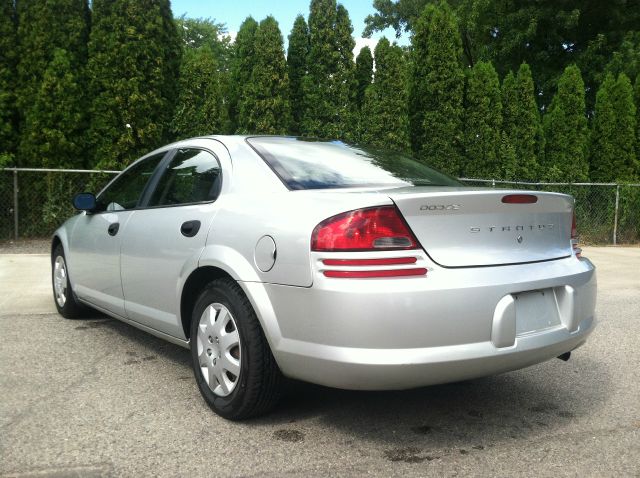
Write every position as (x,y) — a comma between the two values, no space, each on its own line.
(55,243)
(192,289)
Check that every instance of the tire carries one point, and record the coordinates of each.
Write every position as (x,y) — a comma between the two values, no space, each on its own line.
(63,296)
(226,337)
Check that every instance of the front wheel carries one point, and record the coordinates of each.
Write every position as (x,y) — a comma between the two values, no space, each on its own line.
(233,365)
(63,295)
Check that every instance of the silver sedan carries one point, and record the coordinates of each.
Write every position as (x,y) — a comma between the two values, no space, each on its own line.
(274,257)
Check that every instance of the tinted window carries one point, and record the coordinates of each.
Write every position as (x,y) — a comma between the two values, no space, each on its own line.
(191,176)
(308,164)
(125,191)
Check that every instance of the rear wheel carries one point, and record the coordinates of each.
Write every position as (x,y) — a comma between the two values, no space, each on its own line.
(233,365)
(63,295)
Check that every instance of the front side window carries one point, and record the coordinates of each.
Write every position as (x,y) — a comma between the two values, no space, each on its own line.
(192,176)
(311,164)
(124,193)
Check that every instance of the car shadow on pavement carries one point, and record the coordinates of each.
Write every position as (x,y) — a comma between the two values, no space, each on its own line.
(466,417)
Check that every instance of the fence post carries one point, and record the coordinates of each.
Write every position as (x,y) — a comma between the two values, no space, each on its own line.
(15,204)
(493,183)
(615,216)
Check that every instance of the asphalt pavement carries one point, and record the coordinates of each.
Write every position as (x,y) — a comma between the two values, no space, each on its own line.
(97,397)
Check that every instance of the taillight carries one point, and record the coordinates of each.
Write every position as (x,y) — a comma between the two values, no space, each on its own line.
(519,199)
(371,229)
(574,236)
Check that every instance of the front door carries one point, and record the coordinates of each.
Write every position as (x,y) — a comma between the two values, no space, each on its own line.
(96,239)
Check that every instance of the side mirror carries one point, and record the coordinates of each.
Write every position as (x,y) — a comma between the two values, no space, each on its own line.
(84,202)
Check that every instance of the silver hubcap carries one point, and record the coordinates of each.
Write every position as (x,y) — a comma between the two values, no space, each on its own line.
(60,280)
(219,349)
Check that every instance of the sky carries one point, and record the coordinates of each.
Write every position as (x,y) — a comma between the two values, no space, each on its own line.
(233,12)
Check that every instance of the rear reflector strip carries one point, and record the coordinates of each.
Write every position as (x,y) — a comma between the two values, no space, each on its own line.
(372,274)
(370,262)
(519,199)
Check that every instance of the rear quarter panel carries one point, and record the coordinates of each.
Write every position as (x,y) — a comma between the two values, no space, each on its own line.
(289,217)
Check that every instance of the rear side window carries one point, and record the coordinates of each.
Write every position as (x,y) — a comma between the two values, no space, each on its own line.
(310,164)
(125,191)
(192,176)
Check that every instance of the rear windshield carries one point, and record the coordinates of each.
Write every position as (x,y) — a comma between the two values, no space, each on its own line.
(310,164)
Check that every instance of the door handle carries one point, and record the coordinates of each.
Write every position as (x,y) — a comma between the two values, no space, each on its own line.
(113,228)
(190,228)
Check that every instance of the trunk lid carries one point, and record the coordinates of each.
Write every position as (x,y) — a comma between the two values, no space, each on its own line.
(464,227)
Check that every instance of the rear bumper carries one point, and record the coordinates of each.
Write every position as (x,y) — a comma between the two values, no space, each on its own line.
(452,325)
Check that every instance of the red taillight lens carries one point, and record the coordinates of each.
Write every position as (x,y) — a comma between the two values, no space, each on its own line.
(376,274)
(520,199)
(371,229)
(392,261)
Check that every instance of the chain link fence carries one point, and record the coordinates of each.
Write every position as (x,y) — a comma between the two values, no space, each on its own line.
(34,202)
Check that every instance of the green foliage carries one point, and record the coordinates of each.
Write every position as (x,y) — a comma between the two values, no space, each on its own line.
(329,86)
(384,111)
(264,108)
(8,52)
(614,132)
(44,27)
(566,132)
(363,74)
(507,159)
(297,69)
(627,58)
(436,89)
(241,67)
(636,95)
(549,35)
(54,125)
(200,110)
(603,134)
(521,122)
(482,122)
(134,53)
(196,33)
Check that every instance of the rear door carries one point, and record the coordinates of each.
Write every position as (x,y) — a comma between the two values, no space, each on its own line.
(95,242)
(163,240)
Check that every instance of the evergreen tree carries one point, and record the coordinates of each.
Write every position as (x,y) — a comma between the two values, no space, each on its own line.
(482,122)
(8,57)
(614,128)
(54,126)
(44,27)
(200,110)
(566,133)
(506,158)
(345,80)
(521,122)
(436,89)
(603,134)
(134,53)
(241,67)
(386,120)
(364,73)
(265,109)
(297,69)
(329,85)
(626,165)
(637,101)
(53,134)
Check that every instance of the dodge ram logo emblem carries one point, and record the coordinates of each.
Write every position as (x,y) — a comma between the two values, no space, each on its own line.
(519,239)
